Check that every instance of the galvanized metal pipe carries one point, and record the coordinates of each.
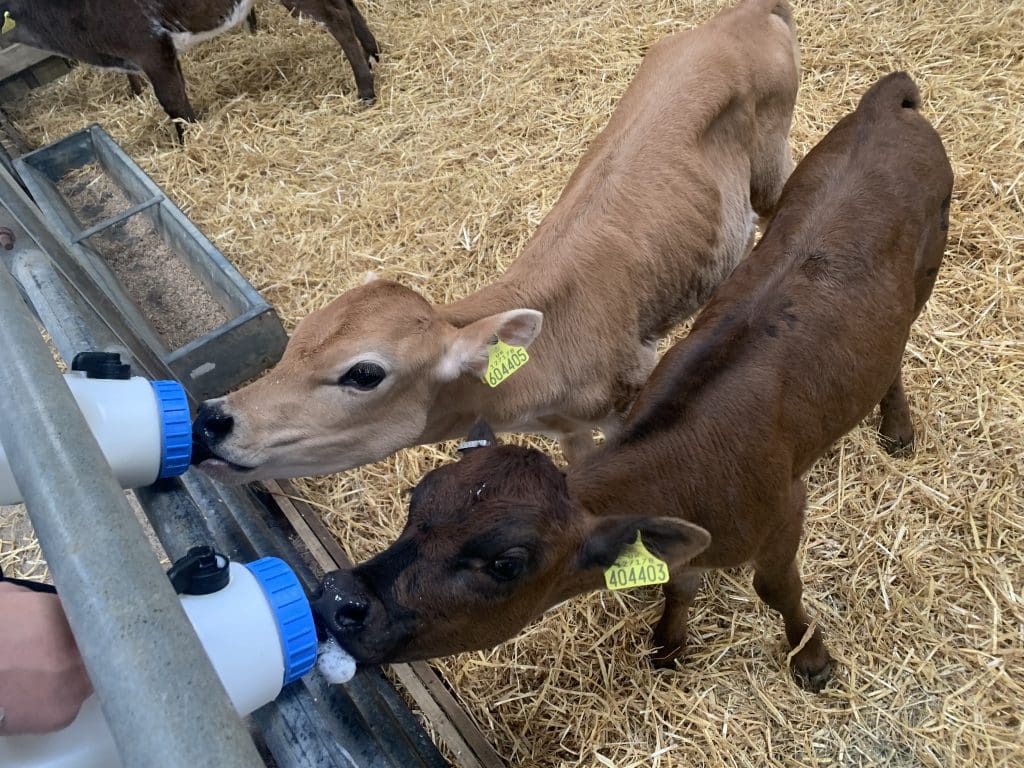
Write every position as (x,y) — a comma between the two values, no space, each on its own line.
(311,724)
(57,312)
(160,694)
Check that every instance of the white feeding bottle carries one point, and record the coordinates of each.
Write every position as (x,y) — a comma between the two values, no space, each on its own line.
(255,624)
(143,427)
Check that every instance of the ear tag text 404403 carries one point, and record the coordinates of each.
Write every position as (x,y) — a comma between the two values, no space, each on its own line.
(502,361)
(636,567)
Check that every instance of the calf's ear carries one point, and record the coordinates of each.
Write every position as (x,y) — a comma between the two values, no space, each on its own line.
(673,540)
(480,436)
(468,350)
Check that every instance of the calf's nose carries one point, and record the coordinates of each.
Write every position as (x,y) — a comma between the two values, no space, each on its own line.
(352,613)
(340,604)
(211,426)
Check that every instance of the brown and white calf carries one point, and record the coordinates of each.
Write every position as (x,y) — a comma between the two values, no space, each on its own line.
(659,211)
(793,350)
(145,36)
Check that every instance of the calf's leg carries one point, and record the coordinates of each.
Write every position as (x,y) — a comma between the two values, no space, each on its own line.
(576,445)
(670,635)
(768,174)
(777,582)
(135,84)
(366,38)
(929,257)
(164,72)
(896,429)
(341,24)
(336,15)
(611,425)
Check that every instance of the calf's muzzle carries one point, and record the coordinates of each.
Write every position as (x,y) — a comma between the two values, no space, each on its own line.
(340,604)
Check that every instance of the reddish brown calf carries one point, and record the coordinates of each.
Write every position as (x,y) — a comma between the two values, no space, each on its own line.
(794,349)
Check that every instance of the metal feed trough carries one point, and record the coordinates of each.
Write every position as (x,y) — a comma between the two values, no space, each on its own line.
(252,337)
(102,563)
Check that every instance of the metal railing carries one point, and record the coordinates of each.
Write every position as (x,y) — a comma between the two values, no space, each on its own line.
(125,616)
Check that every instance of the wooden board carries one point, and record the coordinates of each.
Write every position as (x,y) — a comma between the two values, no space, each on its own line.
(17,57)
(23,68)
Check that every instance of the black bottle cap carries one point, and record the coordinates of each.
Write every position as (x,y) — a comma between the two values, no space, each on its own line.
(101,365)
(200,572)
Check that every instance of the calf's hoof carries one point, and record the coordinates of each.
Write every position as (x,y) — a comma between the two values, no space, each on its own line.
(896,434)
(898,444)
(135,85)
(367,92)
(812,674)
(666,658)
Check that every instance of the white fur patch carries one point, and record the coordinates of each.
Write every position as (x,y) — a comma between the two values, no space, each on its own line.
(185,40)
(334,663)
(121,70)
(450,366)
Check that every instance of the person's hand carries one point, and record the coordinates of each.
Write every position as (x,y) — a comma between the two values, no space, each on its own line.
(43,681)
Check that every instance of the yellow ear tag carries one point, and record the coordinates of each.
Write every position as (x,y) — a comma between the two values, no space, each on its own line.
(502,361)
(636,567)
(9,23)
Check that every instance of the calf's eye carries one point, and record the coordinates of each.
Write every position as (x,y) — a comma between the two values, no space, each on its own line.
(363,376)
(507,568)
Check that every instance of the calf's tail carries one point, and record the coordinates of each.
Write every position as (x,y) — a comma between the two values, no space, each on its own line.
(890,94)
(779,8)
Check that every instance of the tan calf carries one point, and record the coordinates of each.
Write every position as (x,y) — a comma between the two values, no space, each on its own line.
(659,211)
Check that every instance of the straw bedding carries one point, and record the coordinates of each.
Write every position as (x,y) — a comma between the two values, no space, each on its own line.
(913,566)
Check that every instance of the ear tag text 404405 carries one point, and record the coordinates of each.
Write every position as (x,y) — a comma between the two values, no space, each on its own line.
(636,567)
(502,361)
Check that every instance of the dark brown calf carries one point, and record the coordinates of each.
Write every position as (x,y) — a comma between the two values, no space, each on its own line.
(135,81)
(794,349)
(145,36)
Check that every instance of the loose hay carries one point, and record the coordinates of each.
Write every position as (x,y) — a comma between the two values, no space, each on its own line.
(19,551)
(913,567)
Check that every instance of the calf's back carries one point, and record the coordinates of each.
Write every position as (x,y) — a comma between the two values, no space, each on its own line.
(802,340)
